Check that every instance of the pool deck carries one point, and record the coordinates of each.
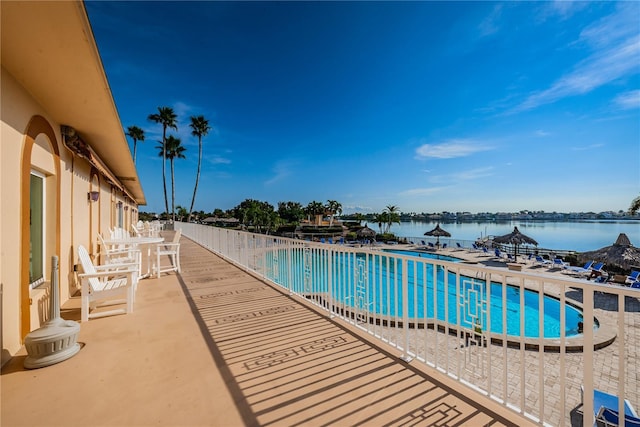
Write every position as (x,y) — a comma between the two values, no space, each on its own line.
(215,346)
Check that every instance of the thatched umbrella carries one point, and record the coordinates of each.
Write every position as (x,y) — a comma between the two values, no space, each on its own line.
(437,232)
(515,238)
(621,254)
(366,232)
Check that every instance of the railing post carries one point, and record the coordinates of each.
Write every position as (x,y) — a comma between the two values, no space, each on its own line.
(405,310)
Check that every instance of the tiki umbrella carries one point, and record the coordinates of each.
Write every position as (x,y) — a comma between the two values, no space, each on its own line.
(515,238)
(437,232)
(621,254)
(365,232)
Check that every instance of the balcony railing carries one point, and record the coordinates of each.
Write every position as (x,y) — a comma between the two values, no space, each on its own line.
(556,335)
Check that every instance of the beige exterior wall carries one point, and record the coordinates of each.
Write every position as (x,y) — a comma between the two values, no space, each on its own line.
(70,218)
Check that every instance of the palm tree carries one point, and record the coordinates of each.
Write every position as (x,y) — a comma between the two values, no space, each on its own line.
(200,127)
(635,206)
(173,149)
(392,216)
(314,209)
(333,208)
(136,134)
(381,218)
(168,119)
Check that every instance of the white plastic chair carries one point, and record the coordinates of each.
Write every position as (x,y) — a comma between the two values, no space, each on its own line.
(172,250)
(121,254)
(103,283)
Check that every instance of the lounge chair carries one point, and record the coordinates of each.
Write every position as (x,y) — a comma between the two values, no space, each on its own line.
(542,261)
(597,270)
(581,270)
(605,410)
(557,262)
(633,277)
(635,285)
(103,283)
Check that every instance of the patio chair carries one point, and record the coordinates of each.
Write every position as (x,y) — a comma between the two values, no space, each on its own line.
(121,254)
(172,250)
(103,283)
(605,410)
(633,277)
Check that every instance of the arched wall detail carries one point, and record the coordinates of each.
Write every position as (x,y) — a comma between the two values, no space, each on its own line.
(37,125)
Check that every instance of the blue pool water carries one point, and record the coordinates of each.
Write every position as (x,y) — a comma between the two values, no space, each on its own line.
(423,254)
(373,283)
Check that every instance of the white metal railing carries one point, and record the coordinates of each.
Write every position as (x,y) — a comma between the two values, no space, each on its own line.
(453,321)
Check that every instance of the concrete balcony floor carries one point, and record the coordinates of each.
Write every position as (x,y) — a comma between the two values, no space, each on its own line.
(215,346)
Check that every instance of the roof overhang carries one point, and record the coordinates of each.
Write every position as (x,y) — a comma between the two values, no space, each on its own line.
(49,48)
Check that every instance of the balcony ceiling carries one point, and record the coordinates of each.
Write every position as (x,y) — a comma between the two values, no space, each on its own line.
(48,47)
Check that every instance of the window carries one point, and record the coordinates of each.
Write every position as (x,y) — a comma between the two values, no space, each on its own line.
(36,227)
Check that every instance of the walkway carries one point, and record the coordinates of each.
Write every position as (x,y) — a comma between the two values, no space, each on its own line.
(215,346)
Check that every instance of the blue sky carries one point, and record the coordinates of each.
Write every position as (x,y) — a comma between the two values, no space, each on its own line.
(428,106)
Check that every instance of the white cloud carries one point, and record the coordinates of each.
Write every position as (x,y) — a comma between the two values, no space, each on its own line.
(489,25)
(628,100)
(587,147)
(422,191)
(473,174)
(451,149)
(541,133)
(281,169)
(616,49)
(220,160)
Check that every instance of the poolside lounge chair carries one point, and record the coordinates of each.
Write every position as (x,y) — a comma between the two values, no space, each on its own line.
(581,270)
(597,270)
(542,261)
(635,285)
(605,410)
(633,277)
(557,262)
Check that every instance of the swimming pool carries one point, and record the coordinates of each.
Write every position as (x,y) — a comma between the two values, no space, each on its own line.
(423,254)
(373,283)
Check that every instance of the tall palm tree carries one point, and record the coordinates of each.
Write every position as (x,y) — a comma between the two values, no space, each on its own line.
(200,127)
(333,208)
(635,206)
(393,216)
(137,134)
(172,149)
(168,119)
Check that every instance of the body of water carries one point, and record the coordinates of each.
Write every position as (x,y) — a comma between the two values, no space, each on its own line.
(578,236)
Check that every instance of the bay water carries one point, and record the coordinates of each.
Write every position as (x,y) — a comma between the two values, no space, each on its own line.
(580,236)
